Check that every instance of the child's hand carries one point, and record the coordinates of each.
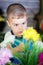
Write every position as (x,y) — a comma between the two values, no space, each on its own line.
(16,49)
(19,48)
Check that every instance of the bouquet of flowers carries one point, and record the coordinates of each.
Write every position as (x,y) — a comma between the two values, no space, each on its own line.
(27,56)
(34,56)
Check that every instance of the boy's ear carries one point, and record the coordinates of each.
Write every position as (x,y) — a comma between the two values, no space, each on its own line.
(8,23)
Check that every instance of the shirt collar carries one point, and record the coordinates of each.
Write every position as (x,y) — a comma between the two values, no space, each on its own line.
(16,36)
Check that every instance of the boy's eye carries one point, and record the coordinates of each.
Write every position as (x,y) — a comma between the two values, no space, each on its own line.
(16,24)
(23,23)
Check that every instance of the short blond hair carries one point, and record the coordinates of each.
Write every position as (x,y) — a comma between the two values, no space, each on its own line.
(17,9)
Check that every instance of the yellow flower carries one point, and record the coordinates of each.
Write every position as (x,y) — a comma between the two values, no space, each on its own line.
(31,33)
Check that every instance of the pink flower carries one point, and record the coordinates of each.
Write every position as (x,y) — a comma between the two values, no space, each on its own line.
(5,54)
(40,59)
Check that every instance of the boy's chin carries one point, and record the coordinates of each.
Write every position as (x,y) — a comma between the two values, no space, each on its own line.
(19,35)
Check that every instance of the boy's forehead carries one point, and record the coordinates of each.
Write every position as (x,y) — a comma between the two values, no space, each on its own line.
(20,20)
(14,15)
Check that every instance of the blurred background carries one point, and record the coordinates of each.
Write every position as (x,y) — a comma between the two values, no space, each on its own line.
(34,10)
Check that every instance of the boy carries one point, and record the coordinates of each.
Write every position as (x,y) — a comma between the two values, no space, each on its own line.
(17,21)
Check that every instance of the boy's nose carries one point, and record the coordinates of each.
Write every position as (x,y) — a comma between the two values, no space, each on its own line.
(20,26)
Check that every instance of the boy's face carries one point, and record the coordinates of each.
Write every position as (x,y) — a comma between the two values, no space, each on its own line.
(17,25)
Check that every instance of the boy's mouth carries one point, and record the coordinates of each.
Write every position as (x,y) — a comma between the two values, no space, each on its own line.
(20,32)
